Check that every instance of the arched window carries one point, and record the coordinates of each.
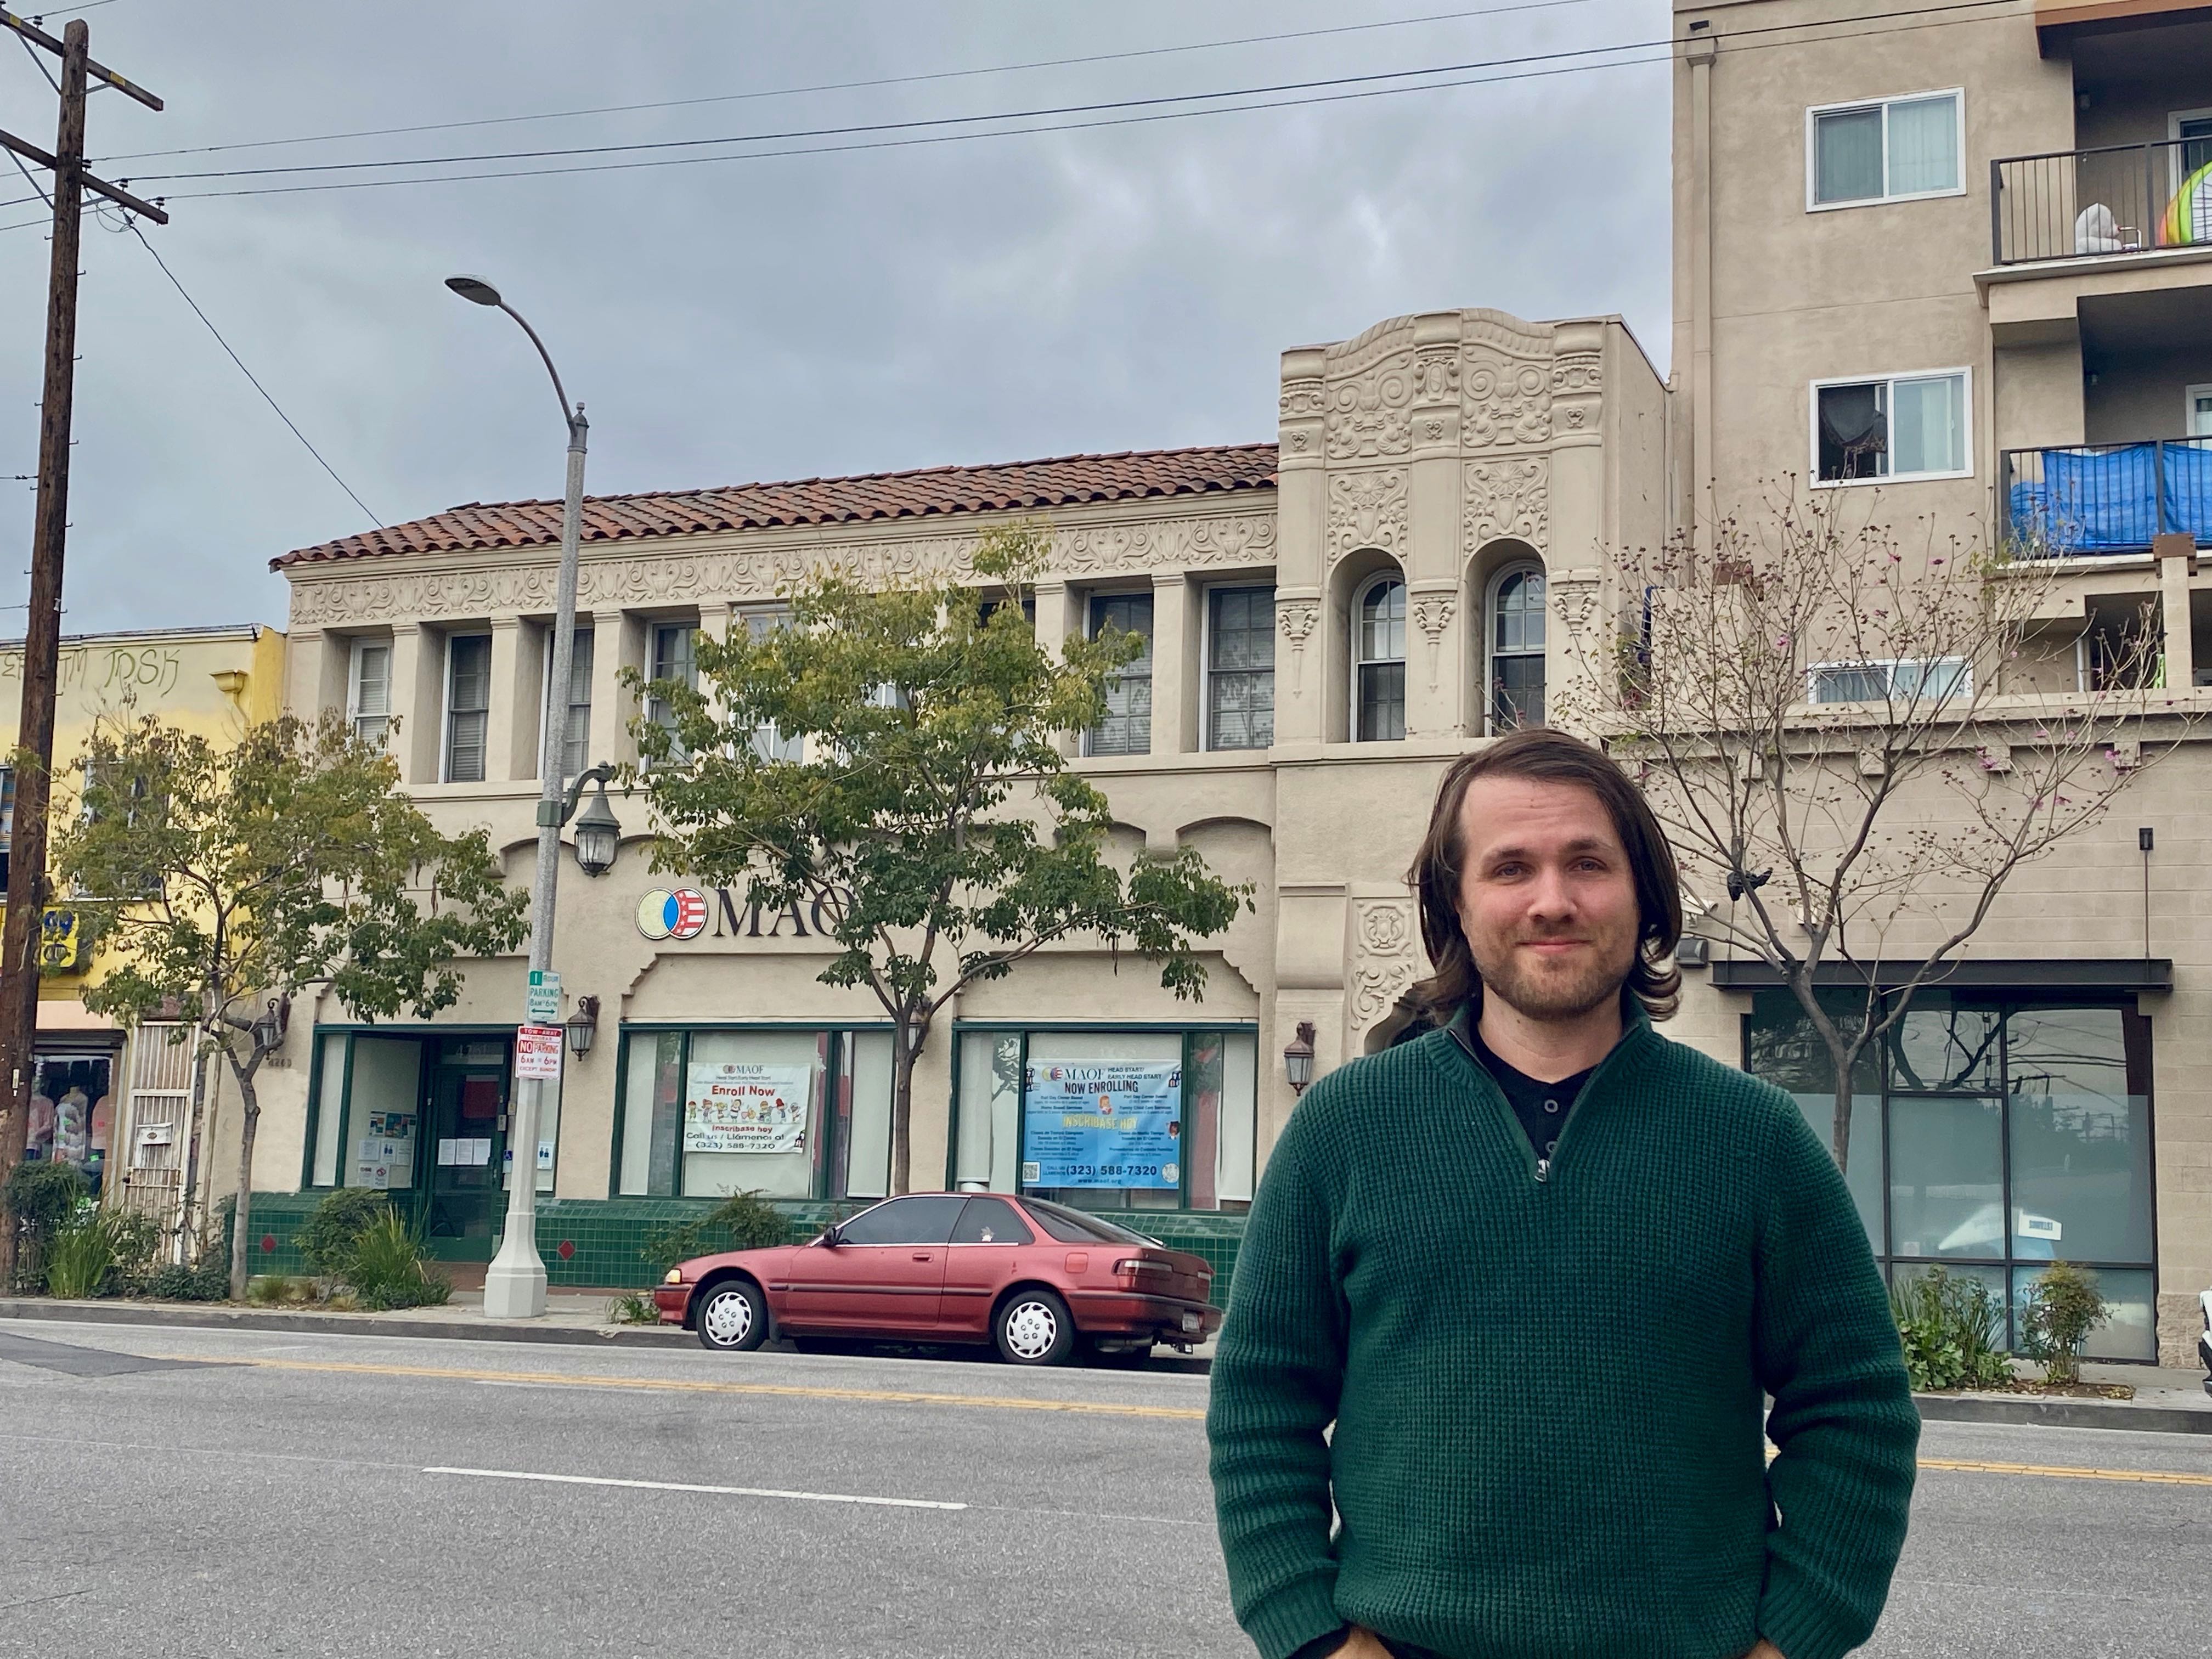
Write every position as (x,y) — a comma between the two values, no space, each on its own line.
(1515,644)
(1378,652)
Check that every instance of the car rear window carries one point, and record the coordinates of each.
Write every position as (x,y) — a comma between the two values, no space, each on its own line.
(991,1221)
(1074,1227)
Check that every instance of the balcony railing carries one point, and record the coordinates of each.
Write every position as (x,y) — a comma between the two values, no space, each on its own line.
(2085,499)
(2085,204)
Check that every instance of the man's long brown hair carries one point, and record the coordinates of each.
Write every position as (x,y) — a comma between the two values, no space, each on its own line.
(1546,756)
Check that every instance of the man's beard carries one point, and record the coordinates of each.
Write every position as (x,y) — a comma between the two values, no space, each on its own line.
(1554,995)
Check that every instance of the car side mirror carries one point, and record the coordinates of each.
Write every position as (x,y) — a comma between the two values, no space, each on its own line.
(829,1238)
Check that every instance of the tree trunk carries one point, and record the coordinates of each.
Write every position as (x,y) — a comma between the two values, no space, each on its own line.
(1840,1141)
(906,1046)
(249,1121)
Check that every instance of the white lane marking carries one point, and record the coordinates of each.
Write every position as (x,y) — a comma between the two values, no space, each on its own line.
(685,1485)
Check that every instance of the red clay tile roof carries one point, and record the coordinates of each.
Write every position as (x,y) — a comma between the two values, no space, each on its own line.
(1015,486)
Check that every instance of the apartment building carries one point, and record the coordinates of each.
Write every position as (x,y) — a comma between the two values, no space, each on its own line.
(1956,265)
(1908,267)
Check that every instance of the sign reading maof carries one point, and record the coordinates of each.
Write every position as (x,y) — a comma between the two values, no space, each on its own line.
(685,913)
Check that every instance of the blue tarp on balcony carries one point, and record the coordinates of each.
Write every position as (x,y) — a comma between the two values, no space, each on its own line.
(2111,500)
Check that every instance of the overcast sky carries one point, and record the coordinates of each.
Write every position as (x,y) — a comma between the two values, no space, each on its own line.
(1002,298)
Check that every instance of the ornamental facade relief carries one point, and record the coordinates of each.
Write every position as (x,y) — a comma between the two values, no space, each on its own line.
(1367,509)
(1383,962)
(1506,498)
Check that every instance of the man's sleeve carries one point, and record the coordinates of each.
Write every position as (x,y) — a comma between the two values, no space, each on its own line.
(1843,1418)
(1277,1374)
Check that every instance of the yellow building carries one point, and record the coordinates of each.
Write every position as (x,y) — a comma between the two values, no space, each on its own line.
(116,1104)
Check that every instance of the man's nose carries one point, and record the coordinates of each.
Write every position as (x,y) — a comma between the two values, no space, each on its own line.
(1552,896)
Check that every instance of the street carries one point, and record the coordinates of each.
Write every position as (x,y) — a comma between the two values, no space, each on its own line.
(186,1492)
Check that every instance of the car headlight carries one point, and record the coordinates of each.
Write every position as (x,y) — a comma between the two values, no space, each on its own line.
(675,1276)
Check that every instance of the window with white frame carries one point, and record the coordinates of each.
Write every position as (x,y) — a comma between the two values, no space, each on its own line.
(2198,412)
(1379,651)
(468,706)
(672,661)
(1886,149)
(1515,641)
(1240,667)
(1895,427)
(769,743)
(1127,726)
(1927,681)
(576,739)
(368,689)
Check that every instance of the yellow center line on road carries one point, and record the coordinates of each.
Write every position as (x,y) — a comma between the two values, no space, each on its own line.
(2050,1472)
(655,1385)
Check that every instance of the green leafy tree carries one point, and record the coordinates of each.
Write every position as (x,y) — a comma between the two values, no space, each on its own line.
(930,820)
(223,881)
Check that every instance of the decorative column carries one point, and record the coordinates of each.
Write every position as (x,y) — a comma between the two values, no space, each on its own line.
(1054,606)
(518,678)
(616,644)
(418,672)
(1432,554)
(1583,531)
(316,665)
(1301,673)
(1175,666)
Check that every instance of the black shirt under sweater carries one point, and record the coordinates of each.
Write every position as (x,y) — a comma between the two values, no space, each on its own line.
(1542,1107)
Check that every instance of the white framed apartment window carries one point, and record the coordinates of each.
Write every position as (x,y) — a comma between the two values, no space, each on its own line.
(2192,131)
(1378,659)
(1892,428)
(769,743)
(1905,680)
(2197,411)
(1127,728)
(368,689)
(1514,647)
(468,706)
(671,660)
(1239,653)
(576,745)
(1884,149)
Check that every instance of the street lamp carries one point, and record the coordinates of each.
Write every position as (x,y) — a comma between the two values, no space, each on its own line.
(598,836)
(514,1284)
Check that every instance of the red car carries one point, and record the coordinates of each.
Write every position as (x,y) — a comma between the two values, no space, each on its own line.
(1031,1277)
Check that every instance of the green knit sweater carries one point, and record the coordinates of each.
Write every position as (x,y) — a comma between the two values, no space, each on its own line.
(1546,1384)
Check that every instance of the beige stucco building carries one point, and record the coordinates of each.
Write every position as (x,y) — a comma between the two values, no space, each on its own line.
(1406,568)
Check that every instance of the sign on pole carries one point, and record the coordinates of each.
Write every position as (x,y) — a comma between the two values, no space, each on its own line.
(538,1053)
(542,1005)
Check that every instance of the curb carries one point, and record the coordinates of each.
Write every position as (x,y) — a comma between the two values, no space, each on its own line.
(2062,1414)
(215,1317)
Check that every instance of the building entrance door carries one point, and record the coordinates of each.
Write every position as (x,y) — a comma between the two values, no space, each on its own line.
(468,1145)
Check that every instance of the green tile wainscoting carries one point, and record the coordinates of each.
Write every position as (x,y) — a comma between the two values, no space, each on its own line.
(598,1242)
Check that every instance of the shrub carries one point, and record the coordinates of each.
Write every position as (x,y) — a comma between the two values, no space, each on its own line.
(386,1270)
(207,1279)
(2056,1316)
(43,1195)
(632,1307)
(82,1256)
(274,1290)
(743,1221)
(138,1241)
(335,1229)
(1952,1330)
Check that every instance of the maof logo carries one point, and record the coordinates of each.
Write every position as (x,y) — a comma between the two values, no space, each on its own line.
(679,914)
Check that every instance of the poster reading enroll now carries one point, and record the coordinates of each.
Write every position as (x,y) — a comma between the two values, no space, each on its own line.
(1102,1123)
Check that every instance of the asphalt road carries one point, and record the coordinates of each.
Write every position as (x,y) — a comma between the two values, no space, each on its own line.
(196,1493)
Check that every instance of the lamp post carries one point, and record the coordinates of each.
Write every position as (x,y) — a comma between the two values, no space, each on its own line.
(514,1284)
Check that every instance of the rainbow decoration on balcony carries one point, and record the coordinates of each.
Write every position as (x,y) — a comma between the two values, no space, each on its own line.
(2189,215)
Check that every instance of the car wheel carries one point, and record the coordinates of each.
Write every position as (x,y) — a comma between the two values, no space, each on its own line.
(733,1319)
(1034,1328)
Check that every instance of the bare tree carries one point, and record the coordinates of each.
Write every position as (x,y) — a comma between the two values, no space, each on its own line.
(1854,743)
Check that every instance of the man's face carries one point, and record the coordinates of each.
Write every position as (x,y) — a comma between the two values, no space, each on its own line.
(1547,898)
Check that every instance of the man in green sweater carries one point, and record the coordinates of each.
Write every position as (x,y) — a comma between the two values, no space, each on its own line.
(1538,1269)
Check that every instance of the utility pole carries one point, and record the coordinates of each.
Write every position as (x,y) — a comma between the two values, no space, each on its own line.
(34,742)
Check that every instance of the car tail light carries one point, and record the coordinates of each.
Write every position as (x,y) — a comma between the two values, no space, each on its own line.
(1131,1267)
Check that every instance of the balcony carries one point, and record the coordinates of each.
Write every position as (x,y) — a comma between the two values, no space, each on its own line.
(2086,500)
(2110,203)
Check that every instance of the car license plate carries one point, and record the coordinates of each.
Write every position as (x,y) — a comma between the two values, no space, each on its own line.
(1190,1322)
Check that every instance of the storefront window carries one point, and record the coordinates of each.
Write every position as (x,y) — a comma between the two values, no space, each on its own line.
(787,1114)
(72,1111)
(1158,1119)
(2016,1136)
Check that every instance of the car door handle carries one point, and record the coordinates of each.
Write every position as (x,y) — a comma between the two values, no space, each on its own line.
(924,1255)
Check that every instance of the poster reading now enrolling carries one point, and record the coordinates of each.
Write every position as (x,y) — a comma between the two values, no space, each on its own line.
(1102,1123)
(739,1107)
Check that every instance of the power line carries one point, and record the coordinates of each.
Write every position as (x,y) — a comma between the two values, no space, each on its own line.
(851,86)
(1154,103)
(374,517)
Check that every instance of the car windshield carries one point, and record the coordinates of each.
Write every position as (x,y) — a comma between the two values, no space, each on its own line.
(1075,1227)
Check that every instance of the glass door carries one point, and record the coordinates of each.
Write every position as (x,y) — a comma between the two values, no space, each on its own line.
(468,1144)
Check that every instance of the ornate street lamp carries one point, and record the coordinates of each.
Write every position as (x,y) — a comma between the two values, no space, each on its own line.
(1298,1058)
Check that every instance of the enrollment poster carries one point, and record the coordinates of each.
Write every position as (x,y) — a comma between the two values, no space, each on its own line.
(739,1106)
(1102,1123)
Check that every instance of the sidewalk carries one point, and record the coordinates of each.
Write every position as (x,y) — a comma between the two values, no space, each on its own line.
(573,1317)
(2167,1402)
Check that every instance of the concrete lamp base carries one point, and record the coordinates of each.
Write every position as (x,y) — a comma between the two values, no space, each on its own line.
(514,1284)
